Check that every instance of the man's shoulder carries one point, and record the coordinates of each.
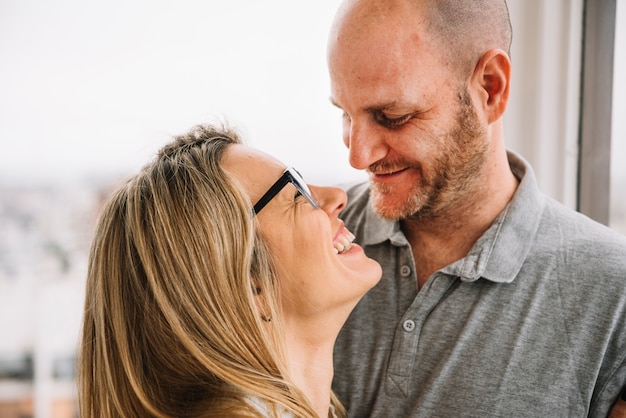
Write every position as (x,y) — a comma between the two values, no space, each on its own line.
(580,226)
(584,241)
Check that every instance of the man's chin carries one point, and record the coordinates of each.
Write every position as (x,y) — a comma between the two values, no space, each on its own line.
(393,209)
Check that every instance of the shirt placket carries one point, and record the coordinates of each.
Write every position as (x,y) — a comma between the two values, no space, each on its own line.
(407,335)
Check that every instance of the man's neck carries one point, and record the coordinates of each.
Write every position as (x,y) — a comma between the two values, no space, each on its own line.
(436,246)
(440,240)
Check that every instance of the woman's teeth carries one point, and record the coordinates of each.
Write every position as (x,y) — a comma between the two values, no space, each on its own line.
(344,243)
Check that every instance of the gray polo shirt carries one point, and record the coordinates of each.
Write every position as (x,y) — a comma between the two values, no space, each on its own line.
(531,323)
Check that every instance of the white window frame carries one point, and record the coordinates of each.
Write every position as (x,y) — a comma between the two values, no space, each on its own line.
(596,109)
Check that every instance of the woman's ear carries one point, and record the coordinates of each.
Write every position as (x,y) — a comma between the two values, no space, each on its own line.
(491,79)
(259,299)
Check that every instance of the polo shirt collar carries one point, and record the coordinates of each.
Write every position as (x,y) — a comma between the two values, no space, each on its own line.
(501,251)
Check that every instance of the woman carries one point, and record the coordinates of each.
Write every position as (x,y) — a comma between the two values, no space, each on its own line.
(217,284)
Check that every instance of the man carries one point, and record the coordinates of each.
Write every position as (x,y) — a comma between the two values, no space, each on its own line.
(496,301)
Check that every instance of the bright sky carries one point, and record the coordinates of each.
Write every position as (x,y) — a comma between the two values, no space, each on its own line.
(98,87)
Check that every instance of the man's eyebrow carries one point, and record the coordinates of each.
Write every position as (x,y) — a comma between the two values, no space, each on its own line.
(383,106)
(373,108)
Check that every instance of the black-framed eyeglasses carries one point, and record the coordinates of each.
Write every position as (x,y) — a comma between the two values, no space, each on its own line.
(290,175)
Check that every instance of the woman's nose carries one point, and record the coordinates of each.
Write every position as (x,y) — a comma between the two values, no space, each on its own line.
(331,200)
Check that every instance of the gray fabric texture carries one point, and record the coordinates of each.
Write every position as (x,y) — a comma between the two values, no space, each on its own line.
(531,323)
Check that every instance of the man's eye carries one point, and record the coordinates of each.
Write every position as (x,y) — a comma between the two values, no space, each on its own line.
(297,195)
(393,122)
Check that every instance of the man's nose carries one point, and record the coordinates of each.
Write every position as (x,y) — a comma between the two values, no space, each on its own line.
(365,143)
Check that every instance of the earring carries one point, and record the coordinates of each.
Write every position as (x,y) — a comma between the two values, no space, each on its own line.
(266,318)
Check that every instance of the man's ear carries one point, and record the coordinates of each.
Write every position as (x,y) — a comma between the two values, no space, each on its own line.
(491,79)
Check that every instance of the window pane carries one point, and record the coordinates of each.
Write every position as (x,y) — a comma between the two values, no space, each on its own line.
(617,214)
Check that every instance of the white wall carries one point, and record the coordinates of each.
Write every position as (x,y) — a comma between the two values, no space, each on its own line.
(542,119)
(94,87)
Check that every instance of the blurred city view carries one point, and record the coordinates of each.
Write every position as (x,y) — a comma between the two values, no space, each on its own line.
(44,244)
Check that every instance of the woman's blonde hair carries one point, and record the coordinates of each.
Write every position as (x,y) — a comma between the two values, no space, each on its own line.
(172,321)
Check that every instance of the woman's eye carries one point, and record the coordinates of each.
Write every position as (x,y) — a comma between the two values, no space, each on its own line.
(297,195)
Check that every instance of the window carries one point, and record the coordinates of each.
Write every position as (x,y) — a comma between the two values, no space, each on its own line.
(617,207)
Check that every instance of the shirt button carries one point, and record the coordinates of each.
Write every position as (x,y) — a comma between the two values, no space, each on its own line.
(408,325)
(405,271)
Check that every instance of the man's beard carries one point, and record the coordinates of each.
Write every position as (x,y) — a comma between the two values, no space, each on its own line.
(452,176)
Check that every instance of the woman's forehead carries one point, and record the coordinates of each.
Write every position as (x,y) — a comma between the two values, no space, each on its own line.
(239,155)
(254,169)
